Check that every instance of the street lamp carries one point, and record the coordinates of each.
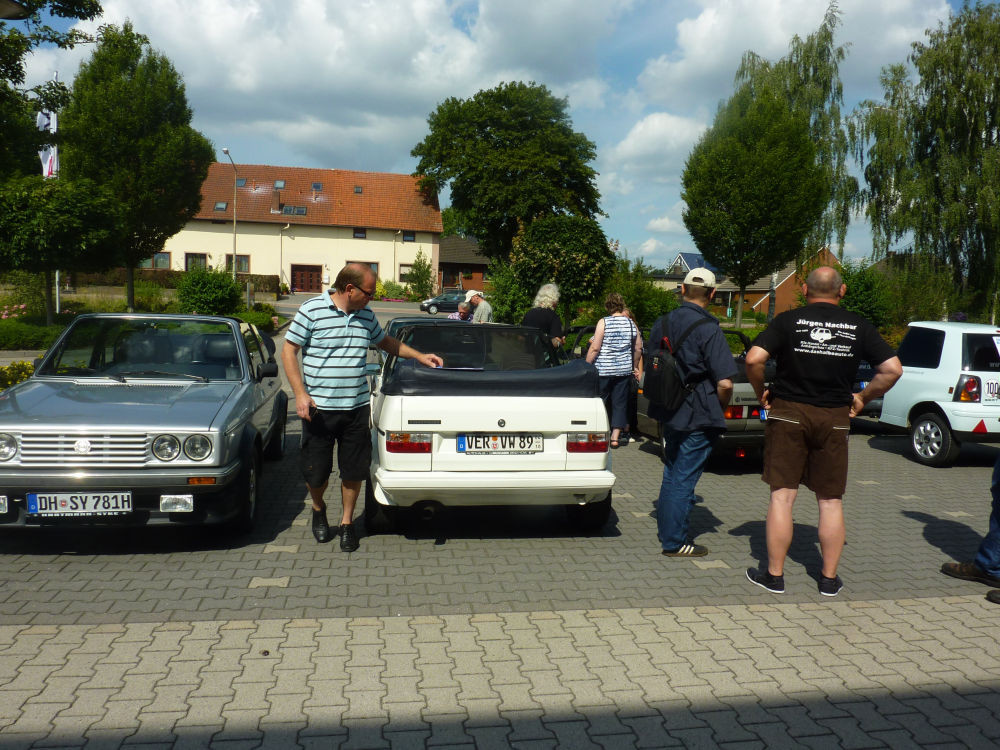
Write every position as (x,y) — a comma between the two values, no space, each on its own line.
(11,10)
(235,176)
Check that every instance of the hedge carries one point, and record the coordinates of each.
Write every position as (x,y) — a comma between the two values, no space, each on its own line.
(168,279)
(17,335)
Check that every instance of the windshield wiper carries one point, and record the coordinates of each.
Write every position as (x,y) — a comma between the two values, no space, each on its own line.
(161,374)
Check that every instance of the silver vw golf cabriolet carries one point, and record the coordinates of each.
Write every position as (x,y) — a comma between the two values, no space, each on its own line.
(134,419)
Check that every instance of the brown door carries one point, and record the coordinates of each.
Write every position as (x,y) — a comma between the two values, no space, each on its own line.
(307,278)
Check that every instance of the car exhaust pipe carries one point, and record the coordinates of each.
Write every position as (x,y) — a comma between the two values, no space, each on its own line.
(427,511)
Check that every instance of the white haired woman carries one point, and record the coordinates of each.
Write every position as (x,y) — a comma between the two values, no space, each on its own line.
(544,316)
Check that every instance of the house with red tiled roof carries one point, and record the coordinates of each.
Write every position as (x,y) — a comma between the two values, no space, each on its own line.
(303,224)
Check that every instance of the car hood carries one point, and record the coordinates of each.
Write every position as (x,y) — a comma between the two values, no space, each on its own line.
(136,404)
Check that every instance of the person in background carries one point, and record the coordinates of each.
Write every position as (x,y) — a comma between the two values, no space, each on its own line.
(483,311)
(333,332)
(809,408)
(464,312)
(631,431)
(985,568)
(543,314)
(615,350)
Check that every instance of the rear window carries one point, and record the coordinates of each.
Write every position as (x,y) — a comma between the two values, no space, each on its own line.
(982,352)
(470,347)
(921,347)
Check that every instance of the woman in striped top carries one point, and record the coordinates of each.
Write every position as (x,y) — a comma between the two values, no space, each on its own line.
(615,349)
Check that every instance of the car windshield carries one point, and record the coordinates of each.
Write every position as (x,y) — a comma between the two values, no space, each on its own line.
(466,347)
(125,348)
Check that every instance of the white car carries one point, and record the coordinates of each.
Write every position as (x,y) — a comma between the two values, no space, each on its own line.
(502,423)
(950,389)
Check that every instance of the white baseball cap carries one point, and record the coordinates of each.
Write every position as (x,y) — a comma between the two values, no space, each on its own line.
(472,293)
(700,277)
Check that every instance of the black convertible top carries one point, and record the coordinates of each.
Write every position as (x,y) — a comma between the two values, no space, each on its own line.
(576,379)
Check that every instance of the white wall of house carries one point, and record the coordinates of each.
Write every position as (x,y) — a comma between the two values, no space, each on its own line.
(274,250)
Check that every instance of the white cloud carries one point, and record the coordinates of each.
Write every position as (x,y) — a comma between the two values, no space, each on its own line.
(657,145)
(652,247)
(666,224)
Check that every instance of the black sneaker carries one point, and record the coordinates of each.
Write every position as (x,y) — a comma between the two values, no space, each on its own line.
(348,538)
(687,550)
(830,586)
(320,527)
(993,596)
(762,578)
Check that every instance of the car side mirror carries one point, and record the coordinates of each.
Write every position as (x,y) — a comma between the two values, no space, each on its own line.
(267,370)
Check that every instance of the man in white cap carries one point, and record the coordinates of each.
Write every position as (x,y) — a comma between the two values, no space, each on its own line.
(692,333)
(484,311)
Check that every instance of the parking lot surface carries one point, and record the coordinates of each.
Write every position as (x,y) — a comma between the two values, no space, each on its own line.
(499,628)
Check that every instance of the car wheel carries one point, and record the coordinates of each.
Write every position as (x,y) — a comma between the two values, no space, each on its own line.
(433,309)
(592,516)
(276,445)
(248,488)
(931,440)
(379,519)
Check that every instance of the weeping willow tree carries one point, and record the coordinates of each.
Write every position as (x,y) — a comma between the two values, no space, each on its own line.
(931,153)
(809,78)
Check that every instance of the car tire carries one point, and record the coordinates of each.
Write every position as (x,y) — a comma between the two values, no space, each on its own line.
(432,309)
(590,517)
(276,445)
(931,440)
(248,488)
(379,519)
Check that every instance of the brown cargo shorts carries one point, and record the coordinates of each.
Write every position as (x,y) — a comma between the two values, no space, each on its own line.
(805,444)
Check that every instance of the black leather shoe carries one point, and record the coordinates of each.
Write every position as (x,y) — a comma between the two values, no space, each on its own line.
(321,529)
(348,538)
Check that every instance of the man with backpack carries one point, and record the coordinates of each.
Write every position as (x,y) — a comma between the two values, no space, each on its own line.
(691,420)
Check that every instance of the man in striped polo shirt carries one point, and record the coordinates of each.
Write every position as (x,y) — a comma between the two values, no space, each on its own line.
(333,332)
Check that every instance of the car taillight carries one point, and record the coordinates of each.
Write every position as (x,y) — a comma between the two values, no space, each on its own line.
(408,442)
(587,442)
(733,412)
(968,389)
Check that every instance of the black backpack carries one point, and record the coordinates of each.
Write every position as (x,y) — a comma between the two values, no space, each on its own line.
(663,383)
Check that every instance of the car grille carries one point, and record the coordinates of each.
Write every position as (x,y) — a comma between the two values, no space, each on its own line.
(119,450)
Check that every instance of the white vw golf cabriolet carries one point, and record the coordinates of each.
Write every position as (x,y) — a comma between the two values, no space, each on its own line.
(502,423)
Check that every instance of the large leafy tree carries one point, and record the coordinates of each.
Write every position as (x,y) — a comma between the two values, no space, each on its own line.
(56,224)
(128,127)
(21,139)
(752,187)
(809,79)
(510,156)
(931,153)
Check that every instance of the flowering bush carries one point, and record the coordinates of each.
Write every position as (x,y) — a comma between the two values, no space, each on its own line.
(13,311)
(14,373)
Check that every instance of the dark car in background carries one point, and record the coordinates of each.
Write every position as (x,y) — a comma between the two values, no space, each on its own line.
(447,301)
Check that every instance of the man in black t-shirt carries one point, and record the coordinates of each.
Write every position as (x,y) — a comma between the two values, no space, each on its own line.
(809,408)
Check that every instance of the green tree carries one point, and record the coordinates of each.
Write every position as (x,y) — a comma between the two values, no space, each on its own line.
(209,292)
(21,139)
(752,187)
(56,224)
(809,77)
(128,127)
(420,277)
(510,156)
(868,292)
(931,153)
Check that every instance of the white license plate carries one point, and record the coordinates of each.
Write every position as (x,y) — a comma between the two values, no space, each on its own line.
(991,391)
(504,444)
(79,503)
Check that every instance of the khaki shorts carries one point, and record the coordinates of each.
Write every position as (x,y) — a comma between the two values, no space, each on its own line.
(805,444)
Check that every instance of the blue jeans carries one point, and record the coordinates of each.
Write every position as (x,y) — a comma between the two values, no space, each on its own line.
(684,461)
(988,557)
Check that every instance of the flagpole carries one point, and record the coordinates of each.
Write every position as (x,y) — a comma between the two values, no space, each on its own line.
(48,122)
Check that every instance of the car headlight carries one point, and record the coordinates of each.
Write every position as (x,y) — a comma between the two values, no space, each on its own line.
(8,446)
(166,447)
(197,447)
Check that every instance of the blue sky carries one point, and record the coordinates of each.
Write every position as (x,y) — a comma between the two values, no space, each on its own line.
(319,83)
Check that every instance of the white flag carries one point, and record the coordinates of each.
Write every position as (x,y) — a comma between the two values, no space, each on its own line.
(49,155)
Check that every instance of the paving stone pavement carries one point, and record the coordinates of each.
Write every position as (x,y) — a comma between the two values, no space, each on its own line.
(499,628)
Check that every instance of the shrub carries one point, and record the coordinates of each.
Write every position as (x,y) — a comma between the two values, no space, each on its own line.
(261,319)
(391,290)
(263,307)
(28,290)
(419,277)
(209,292)
(17,334)
(148,296)
(14,373)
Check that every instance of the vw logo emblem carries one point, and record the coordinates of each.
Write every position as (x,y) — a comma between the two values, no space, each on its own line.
(81,446)
(501,423)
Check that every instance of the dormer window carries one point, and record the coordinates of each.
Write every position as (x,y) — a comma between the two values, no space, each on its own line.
(279,184)
(317,187)
(357,190)
(221,205)
(241,182)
